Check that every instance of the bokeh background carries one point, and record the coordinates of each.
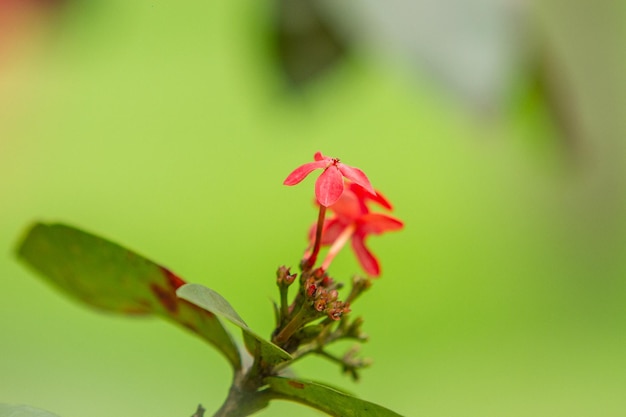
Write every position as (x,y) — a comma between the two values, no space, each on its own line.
(495,127)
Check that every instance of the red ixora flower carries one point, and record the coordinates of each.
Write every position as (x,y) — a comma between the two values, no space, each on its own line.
(354,221)
(329,186)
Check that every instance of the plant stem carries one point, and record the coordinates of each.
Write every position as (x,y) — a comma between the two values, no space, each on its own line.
(284,304)
(199,411)
(244,397)
(330,357)
(296,323)
(318,236)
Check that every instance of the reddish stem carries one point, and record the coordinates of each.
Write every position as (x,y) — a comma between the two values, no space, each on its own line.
(318,236)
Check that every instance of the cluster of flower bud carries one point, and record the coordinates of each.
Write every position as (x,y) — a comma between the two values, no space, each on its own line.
(353,330)
(321,292)
(352,362)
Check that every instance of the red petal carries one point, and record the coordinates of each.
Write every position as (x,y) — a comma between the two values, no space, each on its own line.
(319,157)
(302,171)
(377,223)
(380,199)
(312,231)
(348,206)
(364,195)
(332,230)
(367,260)
(329,186)
(356,176)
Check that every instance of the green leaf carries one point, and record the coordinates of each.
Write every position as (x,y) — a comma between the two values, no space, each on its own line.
(109,277)
(329,400)
(210,300)
(7,410)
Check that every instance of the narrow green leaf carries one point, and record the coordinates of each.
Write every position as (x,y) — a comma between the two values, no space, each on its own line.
(329,400)
(210,300)
(109,277)
(7,410)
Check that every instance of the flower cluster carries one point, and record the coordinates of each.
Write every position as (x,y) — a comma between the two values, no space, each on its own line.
(324,295)
(349,202)
(316,317)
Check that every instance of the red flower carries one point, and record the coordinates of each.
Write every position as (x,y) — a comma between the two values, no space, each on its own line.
(354,221)
(329,186)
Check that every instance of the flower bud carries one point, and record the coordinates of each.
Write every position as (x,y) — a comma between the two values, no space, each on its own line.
(284,277)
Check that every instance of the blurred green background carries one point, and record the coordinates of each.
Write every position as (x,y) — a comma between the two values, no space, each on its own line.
(170,127)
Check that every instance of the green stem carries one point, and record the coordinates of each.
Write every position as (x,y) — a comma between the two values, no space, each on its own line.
(199,411)
(284,306)
(299,354)
(244,397)
(314,346)
(242,404)
(296,323)
(330,357)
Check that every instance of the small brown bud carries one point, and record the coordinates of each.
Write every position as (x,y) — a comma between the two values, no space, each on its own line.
(320,304)
(311,290)
(281,276)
